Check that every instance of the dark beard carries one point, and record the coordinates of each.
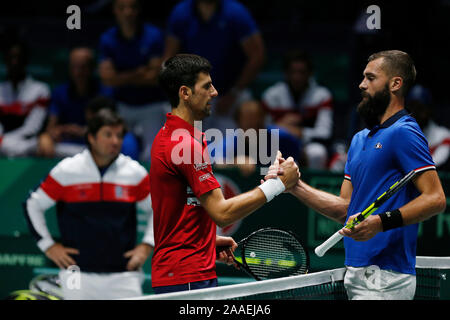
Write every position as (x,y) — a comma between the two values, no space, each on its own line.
(372,108)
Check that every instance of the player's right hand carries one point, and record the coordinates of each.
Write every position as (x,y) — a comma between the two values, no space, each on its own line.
(60,255)
(275,170)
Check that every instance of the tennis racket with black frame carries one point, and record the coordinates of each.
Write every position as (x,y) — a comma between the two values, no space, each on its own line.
(270,253)
(336,237)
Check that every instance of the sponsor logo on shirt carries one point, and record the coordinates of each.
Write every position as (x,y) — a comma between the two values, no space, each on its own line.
(378,146)
(204,177)
(200,166)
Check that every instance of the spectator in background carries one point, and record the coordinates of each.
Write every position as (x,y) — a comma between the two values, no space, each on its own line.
(419,102)
(130,59)
(259,151)
(66,127)
(302,110)
(130,144)
(250,119)
(23,104)
(224,32)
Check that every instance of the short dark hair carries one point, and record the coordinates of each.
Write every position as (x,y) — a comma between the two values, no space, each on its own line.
(101,102)
(138,2)
(294,55)
(22,45)
(181,70)
(104,117)
(398,63)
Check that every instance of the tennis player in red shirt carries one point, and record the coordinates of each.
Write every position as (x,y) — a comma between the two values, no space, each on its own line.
(187,200)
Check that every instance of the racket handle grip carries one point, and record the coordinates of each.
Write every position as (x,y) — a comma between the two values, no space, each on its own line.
(328,244)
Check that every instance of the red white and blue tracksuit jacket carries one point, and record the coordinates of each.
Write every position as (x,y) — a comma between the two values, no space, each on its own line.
(96,214)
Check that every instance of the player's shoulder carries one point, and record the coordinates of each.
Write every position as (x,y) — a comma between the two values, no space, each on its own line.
(406,131)
(405,125)
(184,148)
(186,143)
(360,136)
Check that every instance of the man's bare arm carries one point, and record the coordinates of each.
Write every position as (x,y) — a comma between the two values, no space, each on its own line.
(226,211)
(327,204)
(430,202)
(254,49)
(142,76)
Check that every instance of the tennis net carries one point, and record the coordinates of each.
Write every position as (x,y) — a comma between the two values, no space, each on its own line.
(323,285)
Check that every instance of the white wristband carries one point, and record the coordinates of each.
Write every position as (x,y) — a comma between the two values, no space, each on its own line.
(272,187)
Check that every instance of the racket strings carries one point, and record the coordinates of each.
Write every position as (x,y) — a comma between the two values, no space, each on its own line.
(275,254)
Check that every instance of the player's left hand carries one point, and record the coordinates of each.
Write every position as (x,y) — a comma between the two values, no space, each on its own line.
(137,256)
(365,230)
(226,255)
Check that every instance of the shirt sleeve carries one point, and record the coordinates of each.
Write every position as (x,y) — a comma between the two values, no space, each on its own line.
(52,188)
(143,188)
(34,209)
(412,151)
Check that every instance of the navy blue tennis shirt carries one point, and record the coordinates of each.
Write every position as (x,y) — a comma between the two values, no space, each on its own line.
(378,158)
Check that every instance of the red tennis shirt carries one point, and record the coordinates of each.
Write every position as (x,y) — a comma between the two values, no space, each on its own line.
(185,235)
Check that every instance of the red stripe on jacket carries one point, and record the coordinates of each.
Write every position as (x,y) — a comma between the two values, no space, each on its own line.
(96,191)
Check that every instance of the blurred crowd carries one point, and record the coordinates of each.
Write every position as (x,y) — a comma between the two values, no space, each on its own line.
(121,74)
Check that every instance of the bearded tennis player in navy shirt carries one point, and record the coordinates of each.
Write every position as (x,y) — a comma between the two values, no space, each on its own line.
(380,252)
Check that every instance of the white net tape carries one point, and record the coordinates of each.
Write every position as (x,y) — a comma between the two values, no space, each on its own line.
(267,286)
